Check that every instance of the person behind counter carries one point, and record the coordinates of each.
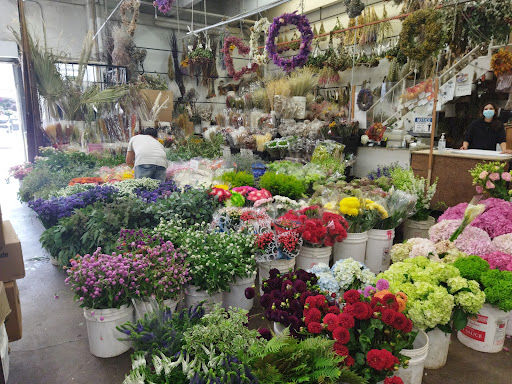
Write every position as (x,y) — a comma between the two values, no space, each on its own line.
(485,133)
(147,155)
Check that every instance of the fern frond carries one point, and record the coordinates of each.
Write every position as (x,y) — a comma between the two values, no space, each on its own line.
(350,377)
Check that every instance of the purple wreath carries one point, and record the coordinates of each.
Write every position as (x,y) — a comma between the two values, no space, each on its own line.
(302,24)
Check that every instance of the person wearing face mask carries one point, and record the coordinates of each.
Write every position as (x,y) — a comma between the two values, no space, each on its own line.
(485,133)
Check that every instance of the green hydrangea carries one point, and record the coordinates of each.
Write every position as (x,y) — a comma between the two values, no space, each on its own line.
(455,284)
(400,252)
(453,255)
(420,261)
(435,309)
(498,288)
(472,267)
(469,301)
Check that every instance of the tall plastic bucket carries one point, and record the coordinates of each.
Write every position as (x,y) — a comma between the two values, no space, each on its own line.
(264,267)
(194,296)
(379,244)
(486,331)
(174,304)
(102,332)
(236,295)
(438,346)
(310,256)
(142,306)
(413,374)
(508,331)
(413,228)
(353,246)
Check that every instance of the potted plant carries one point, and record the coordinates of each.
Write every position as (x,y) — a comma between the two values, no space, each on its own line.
(300,83)
(343,132)
(103,286)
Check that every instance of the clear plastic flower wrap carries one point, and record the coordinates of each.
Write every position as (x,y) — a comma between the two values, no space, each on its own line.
(238,219)
(400,206)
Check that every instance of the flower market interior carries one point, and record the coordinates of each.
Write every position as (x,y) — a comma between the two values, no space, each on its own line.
(255,191)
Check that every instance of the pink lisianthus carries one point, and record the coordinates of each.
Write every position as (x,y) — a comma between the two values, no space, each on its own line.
(506,176)
(489,184)
(483,175)
(494,176)
(479,189)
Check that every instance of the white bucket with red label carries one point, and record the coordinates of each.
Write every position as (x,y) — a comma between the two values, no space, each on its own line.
(486,331)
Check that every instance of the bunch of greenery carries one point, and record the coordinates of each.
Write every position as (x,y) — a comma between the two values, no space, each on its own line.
(192,205)
(193,147)
(283,185)
(97,225)
(302,81)
(238,179)
(289,360)
(405,180)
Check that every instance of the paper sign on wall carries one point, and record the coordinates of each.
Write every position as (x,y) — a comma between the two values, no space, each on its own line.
(422,124)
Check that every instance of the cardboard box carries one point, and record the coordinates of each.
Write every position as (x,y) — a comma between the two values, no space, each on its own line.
(11,257)
(5,309)
(150,96)
(13,323)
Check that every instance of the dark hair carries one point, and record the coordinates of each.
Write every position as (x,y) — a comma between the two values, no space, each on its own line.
(496,123)
(151,132)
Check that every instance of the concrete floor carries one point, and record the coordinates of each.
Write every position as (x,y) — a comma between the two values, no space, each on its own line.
(54,348)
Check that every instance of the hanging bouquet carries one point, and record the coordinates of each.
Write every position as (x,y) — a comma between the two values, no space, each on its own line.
(375,132)
(438,293)
(284,297)
(163,6)
(491,178)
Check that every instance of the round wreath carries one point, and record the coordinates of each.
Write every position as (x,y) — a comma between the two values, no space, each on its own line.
(364,99)
(302,24)
(260,26)
(429,20)
(228,60)
(130,6)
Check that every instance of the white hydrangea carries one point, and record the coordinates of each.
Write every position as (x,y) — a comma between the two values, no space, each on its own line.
(352,274)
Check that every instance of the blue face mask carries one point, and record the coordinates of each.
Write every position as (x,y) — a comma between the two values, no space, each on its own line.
(488,113)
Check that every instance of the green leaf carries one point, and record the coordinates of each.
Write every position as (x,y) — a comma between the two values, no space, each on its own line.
(460,319)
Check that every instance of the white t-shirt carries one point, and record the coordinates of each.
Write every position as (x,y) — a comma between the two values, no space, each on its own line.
(148,150)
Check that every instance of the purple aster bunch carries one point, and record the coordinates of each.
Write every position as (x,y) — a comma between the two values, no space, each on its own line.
(163,190)
(284,297)
(51,211)
(302,24)
(135,241)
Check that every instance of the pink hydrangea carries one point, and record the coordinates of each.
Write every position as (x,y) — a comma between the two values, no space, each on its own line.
(475,241)
(422,247)
(503,243)
(499,260)
(456,212)
(443,230)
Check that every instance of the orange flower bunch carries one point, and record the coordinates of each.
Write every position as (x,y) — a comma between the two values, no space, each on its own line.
(401,298)
(501,62)
(86,180)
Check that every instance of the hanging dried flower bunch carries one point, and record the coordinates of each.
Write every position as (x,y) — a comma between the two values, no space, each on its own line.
(354,8)
(349,35)
(126,7)
(338,26)
(425,24)
(369,32)
(321,31)
(328,76)
(385,28)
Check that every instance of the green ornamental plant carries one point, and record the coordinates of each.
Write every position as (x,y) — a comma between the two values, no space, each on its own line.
(283,185)
(238,179)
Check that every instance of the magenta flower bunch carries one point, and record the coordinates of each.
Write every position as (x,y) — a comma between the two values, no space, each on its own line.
(103,281)
(164,6)
(499,260)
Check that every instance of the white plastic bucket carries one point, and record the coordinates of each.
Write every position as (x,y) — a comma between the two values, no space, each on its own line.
(413,228)
(4,351)
(174,304)
(413,374)
(310,256)
(194,296)
(142,306)
(508,330)
(353,246)
(278,328)
(264,267)
(379,243)
(236,295)
(102,333)
(438,346)
(486,331)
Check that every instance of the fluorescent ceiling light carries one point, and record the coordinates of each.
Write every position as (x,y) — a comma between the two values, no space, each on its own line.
(240,16)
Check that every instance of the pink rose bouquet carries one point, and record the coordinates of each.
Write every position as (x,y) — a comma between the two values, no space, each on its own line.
(491,178)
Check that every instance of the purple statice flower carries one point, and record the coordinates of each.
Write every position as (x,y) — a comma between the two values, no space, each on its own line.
(163,190)
(475,241)
(382,171)
(52,210)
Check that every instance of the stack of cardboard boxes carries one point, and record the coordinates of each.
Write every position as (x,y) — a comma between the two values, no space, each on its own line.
(11,269)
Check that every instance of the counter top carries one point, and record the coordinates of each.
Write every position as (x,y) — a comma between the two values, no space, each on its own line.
(469,154)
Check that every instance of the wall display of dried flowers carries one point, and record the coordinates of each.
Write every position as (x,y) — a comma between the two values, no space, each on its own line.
(425,24)
(304,28)
(228,60)
(261,25)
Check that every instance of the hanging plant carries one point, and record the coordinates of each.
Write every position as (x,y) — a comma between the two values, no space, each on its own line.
(261,25)
(354,8)
(385,28)
(170,68)
(421,34)
(364,99)
(321,31)
(173,43)
(164,6)
(338,26)
(304,28)
(228,60)
(315,34)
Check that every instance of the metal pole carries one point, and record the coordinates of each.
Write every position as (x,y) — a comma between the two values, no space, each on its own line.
(432,133)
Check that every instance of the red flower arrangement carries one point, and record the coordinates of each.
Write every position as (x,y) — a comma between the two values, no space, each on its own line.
(86,180)
(290,241)
(228,60)
(318,229)
(222,194)
(259,195)
(376,132)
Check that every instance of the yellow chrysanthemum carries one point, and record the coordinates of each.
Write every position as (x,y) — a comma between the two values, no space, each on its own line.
(350,206)
(376,206)
(221,186)
(330,206)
